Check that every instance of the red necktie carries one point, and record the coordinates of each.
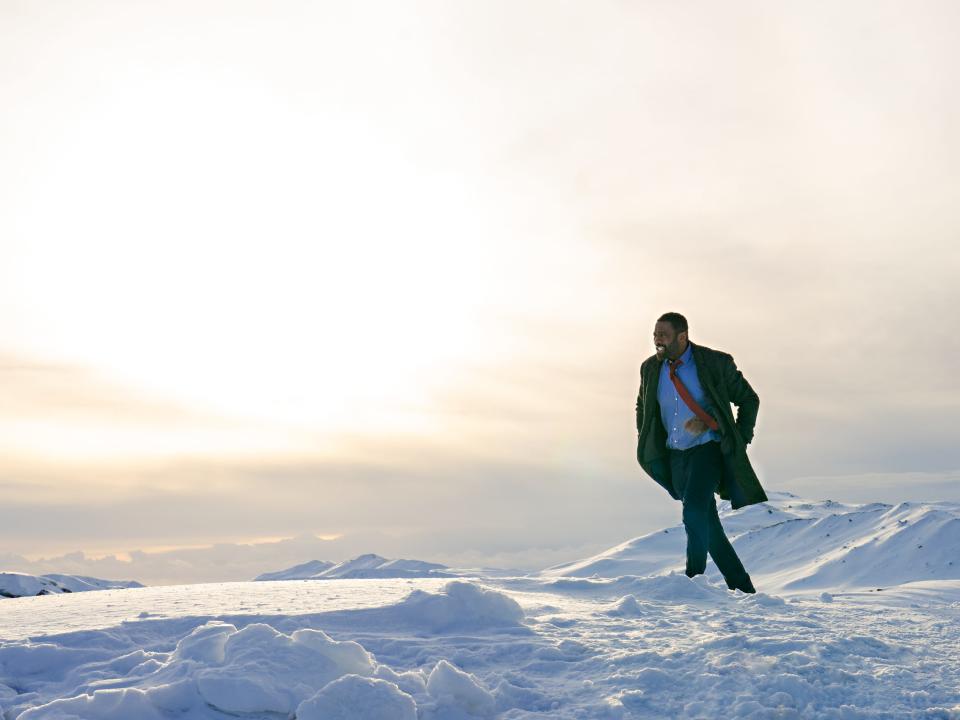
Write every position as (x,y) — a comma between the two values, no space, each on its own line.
(688,398)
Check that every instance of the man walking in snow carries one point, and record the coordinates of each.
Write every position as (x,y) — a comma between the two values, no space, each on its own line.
(689,441)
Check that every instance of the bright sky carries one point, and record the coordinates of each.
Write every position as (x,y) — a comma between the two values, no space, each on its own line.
(387,270)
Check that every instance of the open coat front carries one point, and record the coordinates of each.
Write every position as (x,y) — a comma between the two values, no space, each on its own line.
(725,384)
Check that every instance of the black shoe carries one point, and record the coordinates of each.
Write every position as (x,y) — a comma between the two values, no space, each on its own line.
(745,585)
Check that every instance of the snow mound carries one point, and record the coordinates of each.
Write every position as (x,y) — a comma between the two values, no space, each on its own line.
(671,588)
(677,587)
(627,606)
(459,606)
(15,584)
(217,670)
(454,688)
(361,567)
(255,670)
(353,696)
(107,704)
(264,670)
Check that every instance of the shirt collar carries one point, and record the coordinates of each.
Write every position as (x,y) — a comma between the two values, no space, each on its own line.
(687,354)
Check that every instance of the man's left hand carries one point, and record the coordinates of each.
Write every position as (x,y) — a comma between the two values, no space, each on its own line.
(695,426)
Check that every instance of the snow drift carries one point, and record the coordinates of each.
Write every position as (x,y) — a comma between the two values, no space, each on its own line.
(220,669)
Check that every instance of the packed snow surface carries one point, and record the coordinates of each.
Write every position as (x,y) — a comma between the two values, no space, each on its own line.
(622,635)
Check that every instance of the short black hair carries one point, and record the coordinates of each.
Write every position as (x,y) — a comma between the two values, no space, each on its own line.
(677,321)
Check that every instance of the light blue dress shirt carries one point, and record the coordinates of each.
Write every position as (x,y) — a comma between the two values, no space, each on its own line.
(674,411)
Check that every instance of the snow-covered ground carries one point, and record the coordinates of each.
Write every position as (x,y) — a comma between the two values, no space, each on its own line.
(622,635)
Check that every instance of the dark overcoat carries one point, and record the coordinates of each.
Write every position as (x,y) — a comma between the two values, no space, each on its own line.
(724,384)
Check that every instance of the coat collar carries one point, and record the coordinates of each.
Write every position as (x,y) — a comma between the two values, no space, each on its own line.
(700,359)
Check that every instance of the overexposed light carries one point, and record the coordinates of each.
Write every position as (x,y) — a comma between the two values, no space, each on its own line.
(248,259)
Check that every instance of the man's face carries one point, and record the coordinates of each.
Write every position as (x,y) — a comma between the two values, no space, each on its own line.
(668,342)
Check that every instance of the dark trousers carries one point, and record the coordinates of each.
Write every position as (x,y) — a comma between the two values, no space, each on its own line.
(696,476)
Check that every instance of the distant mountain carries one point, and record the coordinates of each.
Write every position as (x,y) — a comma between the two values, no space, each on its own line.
(374,566)
(363,566)
(14,584)
(792,544)
(303,571)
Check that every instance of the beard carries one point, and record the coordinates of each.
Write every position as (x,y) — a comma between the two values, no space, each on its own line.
(668,351)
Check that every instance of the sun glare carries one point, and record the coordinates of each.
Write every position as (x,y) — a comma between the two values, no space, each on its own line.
(316,276)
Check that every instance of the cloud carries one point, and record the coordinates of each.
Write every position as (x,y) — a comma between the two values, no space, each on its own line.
(69,414)
(449,506)
(53,392)
(242,561)
(885,487)
(221,562)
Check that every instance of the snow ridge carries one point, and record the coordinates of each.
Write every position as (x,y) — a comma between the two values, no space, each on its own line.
(789,544)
